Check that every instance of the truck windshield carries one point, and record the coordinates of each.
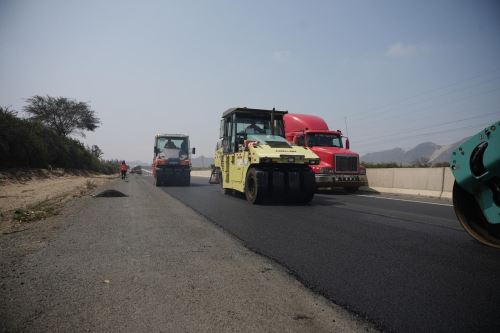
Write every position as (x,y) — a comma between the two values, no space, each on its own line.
(324,140)
(174,147)
(258,125)
(273,141)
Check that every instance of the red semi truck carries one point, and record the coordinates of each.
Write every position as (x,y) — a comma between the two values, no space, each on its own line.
(339,166)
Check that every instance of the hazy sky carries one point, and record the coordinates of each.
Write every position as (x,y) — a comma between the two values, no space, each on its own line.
(400,72)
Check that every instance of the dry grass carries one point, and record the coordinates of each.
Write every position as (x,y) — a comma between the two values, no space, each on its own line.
(90,185)
(39,211)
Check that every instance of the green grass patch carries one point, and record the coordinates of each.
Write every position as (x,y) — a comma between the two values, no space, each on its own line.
(31,215)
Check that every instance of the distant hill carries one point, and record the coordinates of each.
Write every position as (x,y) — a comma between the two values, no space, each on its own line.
(392,155)
(443,154)
(427,150)
(422,150)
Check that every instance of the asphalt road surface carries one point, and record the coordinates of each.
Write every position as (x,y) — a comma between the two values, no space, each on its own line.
(406,266)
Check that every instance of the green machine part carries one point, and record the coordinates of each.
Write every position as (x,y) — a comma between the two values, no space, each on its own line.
(476,192)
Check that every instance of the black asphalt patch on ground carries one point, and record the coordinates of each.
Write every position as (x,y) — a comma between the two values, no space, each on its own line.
(110,194)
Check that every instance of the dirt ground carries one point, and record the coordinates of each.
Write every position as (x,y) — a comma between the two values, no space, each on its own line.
(30,195)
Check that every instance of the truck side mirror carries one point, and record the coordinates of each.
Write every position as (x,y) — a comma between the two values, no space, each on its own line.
(347,143)
(155,150)
(193,151)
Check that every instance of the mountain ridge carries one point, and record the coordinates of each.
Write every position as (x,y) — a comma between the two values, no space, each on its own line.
(428,151)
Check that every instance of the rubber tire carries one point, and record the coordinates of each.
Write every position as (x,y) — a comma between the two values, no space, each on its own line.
(351,189)
(306,198)
(222,189)
(252,192)
(187,180)
(158,182)
(308,186)
(471,218)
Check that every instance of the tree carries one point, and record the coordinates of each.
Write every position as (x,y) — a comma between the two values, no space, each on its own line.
(422,162)
(96,151)
(7,111)
(441,164)
(63,115)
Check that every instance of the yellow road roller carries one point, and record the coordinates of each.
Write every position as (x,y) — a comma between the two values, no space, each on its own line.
(253,157)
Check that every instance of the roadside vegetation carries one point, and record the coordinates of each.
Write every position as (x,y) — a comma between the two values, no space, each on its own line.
(42,140)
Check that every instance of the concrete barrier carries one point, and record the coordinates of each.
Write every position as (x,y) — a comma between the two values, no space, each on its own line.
(194,173)
(433,182)
(448,182)
(201,173)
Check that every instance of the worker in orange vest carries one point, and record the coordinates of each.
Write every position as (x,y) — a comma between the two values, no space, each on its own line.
(123,169)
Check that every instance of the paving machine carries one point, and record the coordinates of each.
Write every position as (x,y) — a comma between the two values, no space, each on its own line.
(476,192)
(254,158)
(172,160)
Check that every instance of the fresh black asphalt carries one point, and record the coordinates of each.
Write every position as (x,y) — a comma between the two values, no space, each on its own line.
(406,266)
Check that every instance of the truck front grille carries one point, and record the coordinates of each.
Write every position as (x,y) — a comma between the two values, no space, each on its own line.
(346,163)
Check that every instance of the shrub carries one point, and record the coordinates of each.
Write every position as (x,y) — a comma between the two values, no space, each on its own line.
(29,144)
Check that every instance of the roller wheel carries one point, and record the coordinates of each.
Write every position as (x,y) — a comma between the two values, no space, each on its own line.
(253,192)
(472,219)
(308,186)
(187,180)
(307,197)
(221,182)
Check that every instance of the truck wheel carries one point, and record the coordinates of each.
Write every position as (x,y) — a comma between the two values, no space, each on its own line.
(253,192)
(307,197)
(351,189)
(158,182)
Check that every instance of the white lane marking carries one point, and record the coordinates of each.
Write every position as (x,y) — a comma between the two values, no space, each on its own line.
(416,201)
(147,171)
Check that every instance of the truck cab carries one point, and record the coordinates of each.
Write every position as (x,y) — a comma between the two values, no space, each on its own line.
(172,159)
(339,166)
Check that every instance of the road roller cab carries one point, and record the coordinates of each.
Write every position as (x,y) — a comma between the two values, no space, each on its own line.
(476,192)
(172,160)
(254,158)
